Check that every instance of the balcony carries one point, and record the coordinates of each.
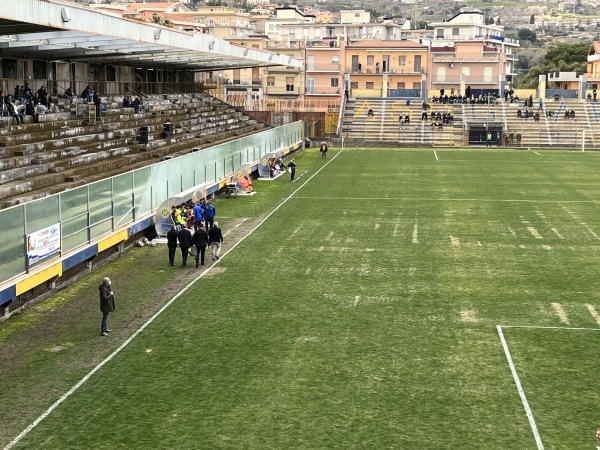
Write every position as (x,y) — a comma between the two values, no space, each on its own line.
(324,91)
(274,90)
(283,69)
(323,68)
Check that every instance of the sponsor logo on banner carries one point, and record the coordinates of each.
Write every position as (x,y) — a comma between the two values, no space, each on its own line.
(43,244)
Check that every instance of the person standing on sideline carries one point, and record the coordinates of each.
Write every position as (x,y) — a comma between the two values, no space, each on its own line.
(209,215)
(198,215)
(292,167)
(107,304)
(185,242)
(200,241)
(323,150)
(498,138)
(172,243)
(215,237)
(489,139)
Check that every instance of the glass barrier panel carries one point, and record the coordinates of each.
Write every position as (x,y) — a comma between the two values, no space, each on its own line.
(12,250)
(100,201)
(142,191)
(101,228)
(123,199)
(41,214)
(74,240)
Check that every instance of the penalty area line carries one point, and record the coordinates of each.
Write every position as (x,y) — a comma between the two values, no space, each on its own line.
(70,392)
(513,370)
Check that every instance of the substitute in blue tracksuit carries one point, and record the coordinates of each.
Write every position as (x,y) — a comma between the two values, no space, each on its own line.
(209,215)
(198,215)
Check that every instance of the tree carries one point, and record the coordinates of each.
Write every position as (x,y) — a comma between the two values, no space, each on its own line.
(527,35)
(559,58)
(532,20)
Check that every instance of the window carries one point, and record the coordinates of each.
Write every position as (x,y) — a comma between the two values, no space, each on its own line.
(400,85)
(270,81)
(369,31)
(440,33)
(335,82)
(416,85)
(310,85)
(466,71)
(402,60)
(310,62)
(354,85)
(369,85)
(487,74)
(370,60)
(356,14)
(335,60)
(289,84)
(455,31)
(441,73)
(39,70)
(223,22)
(9,68)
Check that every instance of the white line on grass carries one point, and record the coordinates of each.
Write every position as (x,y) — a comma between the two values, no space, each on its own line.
(593,312)
(513,370)
(436,156)
(561,313)
(537,153)
(415,236)
(557,233)
(26,431)
(534,327)
(446,199)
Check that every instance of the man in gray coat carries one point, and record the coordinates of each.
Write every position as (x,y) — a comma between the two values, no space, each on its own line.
(107,304)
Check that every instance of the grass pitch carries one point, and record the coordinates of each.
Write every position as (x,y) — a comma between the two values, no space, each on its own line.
(362,314)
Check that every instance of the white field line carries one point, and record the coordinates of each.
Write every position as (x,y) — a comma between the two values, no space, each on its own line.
(297,230)
(513,370)
(557,233)
(512,232)
(377,226)
(592,232)
(66,395)
(436,156)
(300,176)
(329,236)
(537,153)
(298,197)
(561,313)
(455,241)
(593,312)
(396,229)
(535,327)
(534,233)
(237,226)
(547,247)
(415,236)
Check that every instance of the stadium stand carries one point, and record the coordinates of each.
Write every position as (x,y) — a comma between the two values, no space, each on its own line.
(67,151)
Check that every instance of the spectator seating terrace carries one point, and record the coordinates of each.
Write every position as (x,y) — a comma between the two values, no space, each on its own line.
(64,151)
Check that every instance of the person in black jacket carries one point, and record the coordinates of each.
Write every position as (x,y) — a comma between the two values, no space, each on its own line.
(172,243)
(98,103)
(185,242)
(200,241)
(107,304)
(292,167)
(215,238)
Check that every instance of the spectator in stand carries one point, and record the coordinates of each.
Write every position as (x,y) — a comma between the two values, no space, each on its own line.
(137,105)
(215,238)
(69,94)
(200,241)
(519,139)
(18,92)
(594,94)
(209,215)
(127,102)
(98,103)
(43,96)
(26,92)
(30,111)
(87,93)
(14,112)
(536,116)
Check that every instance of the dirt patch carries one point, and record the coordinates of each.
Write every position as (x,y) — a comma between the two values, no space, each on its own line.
(215,271)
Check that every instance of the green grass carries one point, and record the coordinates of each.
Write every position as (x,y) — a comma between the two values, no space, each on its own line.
(363,313)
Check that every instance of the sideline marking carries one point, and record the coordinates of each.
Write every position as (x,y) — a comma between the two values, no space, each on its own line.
(537,153)
(55,405)
(436,156)
(512,232)
(513,370)
(557,233)
(446,199)
(534,232)
(396,229)
(535,327)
